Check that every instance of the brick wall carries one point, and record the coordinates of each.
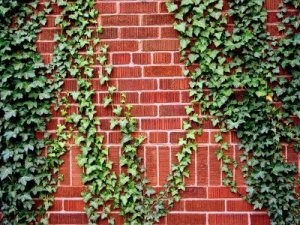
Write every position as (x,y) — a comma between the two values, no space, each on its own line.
(143,50)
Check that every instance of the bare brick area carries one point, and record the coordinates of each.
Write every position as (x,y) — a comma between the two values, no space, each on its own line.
(144,52)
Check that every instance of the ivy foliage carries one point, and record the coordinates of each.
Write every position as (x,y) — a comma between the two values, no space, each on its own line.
(238,83)
(26,95)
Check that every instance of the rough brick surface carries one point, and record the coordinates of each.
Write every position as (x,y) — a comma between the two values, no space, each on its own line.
(143,47)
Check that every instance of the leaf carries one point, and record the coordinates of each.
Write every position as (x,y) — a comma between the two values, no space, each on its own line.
(171,7)
(111,89)
(117,110)
(180,27)
(23,180)
(200,23)
(103,79)
(108,69)
(5,172)
(219,154)
(189,110)
(102,59)
(75,95)
(261,93)
(218,138)
(107,101)
(187,2)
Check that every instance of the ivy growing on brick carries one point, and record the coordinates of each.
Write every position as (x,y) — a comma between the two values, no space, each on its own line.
(238,83)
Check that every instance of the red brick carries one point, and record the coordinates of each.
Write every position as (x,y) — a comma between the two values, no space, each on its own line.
(126,71)
(185,98)
(97,86)
(76,170)
(292,156)
(257,219)
(138,7)
(273,30)
(109,33)
(164,164)
(175,135)
(162,58)
(176,58)
(159,97)
(163,71)
(122,46)
(103,111)
(57,205)
(186,219)
(120,20)
(151,165)
(173,84)
(141,58)
(158,19)
(227,219)
(171,110)
(105,7)
(207,124)
(191,179)
(194,192)
(203,138)
(52,124)
(68,218)
(51,21)
(234,138)
(70,85)
(46,58)
(168,32)
(160,45)
(272,17)
(69,192)
(178,206)
(158,137)
(272,4)
(45,47)
(162,7)
(160,124)
(220,192)
(65,169)
(48,34)
(205,205)
(74,205)
(202,166)
(226,137)
(137,84)
(238,206)
(114,156)
(122,58)
(214,167)
(114,137)
(144,110)
(139,32)
(130,97)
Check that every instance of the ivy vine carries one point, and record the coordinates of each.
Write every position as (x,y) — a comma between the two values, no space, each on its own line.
(237,83)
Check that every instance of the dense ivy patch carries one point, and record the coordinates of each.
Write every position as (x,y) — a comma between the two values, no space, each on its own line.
(26,95)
